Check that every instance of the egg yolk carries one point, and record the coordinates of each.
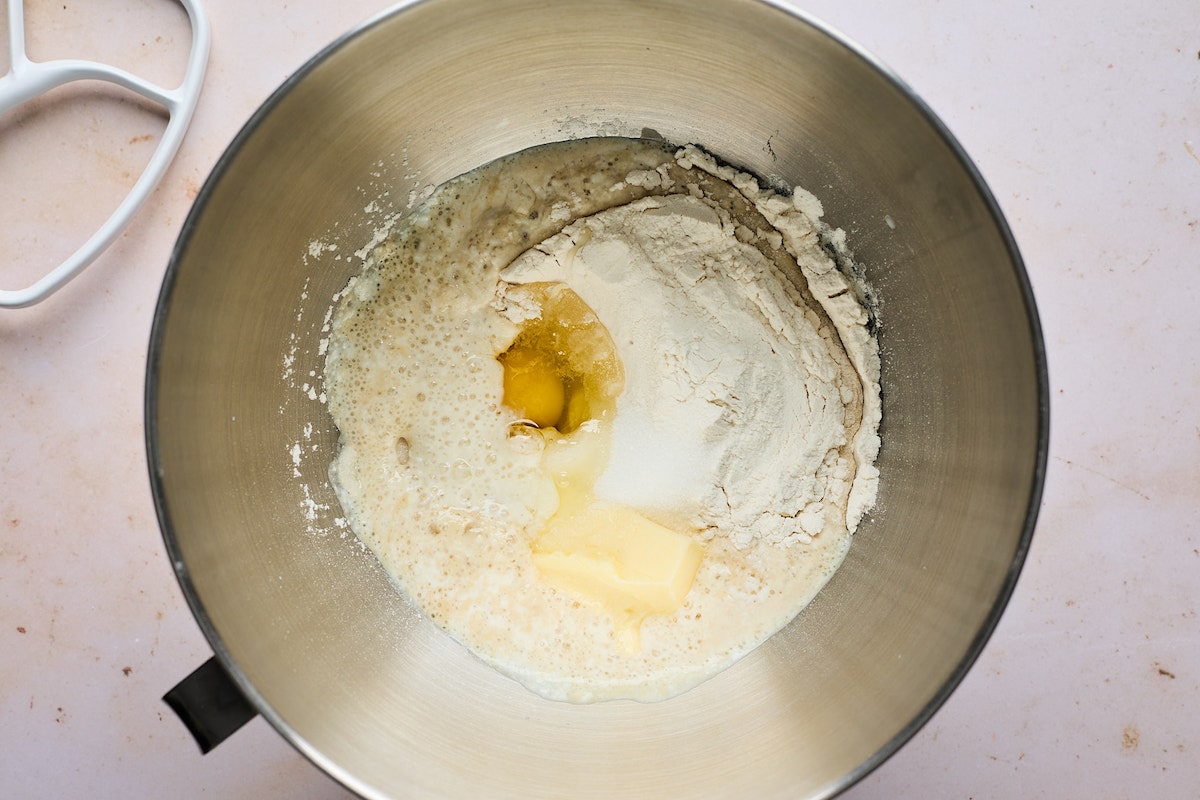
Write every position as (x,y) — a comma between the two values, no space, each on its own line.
(532,387)
(562,369)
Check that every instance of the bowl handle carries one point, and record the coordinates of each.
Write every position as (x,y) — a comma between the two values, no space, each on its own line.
(210,704)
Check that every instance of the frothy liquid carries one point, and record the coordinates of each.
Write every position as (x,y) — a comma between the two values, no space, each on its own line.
(454,418)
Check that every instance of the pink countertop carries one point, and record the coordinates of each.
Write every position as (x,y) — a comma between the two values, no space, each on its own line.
(1084,117)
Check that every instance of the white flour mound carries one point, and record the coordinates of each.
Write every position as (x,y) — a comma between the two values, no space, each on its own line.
(734,408)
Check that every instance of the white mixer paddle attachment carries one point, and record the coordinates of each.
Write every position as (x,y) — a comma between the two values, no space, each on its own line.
(27,79)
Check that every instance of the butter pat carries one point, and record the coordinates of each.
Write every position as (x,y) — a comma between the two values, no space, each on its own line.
(612,555)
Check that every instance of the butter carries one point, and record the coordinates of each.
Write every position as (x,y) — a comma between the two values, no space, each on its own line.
(614,556)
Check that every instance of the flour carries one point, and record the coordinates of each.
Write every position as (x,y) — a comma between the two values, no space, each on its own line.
(797,222)
(734,408)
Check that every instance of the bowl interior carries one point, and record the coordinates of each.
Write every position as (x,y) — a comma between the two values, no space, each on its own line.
(239,440)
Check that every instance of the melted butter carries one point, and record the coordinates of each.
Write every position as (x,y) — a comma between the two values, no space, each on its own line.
(562,375)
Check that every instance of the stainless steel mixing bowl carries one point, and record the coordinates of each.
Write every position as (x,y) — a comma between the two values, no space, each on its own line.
(308,625)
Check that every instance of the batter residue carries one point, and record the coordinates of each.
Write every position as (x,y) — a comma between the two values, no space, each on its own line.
(608,414)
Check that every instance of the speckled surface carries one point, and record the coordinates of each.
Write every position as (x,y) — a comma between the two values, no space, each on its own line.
(1083,117)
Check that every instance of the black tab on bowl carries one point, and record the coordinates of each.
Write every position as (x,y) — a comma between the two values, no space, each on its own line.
(210,705)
